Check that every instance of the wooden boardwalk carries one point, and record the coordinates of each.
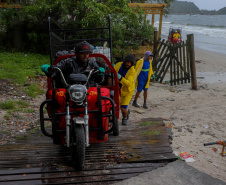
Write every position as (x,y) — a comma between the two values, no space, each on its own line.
(142,146)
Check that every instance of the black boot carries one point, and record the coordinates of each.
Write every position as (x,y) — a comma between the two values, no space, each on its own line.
(135,104)
(145,105)
(124,121)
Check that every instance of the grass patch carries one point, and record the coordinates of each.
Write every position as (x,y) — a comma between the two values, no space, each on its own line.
(15,106)
(152,132)
(19,65)
(28,110)
(34,90)
(21,104)
(20,117)
(9,111)
(35,130)
(8,116)
(149,123)
(9,104)
(5,132)
(21,138)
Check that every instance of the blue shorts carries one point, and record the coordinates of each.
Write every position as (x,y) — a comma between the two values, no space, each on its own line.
(141,86)
(124,106)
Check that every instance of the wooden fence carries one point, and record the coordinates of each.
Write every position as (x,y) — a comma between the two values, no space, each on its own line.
(175,60)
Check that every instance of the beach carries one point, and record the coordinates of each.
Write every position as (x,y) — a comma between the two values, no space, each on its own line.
(196,116)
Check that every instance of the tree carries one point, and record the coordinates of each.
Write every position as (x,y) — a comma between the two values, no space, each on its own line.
(128,28)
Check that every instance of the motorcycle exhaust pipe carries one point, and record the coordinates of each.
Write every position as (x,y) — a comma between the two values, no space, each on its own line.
(86,119)
(68,125)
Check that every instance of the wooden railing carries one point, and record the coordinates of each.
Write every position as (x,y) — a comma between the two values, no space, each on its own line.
(176,60)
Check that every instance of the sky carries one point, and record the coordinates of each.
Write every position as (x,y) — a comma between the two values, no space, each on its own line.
(208,4)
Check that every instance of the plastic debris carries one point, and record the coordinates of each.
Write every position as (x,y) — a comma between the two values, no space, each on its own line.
(214,149)
(186,157)
(215,164)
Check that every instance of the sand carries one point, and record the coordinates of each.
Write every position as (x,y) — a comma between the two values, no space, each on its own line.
(196,116)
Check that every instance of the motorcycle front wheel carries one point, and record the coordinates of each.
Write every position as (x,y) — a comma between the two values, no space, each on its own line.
(116,127)
(78,146)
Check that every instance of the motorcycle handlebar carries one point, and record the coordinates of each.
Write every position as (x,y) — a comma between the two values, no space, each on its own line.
(64,81)
(61,74)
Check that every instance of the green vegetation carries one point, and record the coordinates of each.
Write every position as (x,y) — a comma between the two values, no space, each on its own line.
(7,104)
(152,132)
(129,28)
(35,130)
(26,29)
(33,90)
(8,116)
(21,138)
(21,104)
(14,106)
(5,132)
(149,123)
(21,66)
(28,110)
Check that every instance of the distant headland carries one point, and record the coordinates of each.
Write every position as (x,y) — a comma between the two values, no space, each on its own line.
(184,7)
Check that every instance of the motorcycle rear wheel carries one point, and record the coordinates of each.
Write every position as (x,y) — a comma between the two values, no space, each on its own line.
(78,146)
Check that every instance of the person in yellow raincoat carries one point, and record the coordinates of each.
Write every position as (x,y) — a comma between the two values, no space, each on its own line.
(143,75)
(126,75)
(176,35)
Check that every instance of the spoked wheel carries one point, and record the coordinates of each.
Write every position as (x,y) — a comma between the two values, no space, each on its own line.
(116,127)
(78,146)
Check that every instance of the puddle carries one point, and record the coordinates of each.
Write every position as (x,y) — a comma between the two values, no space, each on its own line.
(211,77)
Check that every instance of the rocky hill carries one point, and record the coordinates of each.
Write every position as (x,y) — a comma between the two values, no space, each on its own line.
(184,7)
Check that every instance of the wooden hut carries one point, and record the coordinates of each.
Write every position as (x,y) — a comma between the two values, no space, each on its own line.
(152,9)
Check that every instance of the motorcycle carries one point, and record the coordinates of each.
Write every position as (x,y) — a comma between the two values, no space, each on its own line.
(81,115)
(172,38)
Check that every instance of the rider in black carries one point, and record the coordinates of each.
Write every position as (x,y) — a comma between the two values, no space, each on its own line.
(78,64)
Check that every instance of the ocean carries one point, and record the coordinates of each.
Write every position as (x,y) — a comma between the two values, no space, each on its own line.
(209,30)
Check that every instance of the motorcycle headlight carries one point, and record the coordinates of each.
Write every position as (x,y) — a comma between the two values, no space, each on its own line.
(77,93)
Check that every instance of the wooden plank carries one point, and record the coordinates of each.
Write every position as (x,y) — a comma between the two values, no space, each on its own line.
(133,150)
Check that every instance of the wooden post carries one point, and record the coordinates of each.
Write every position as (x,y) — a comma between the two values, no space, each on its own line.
(153,19)
(155,37)
(160,24)
(191,54)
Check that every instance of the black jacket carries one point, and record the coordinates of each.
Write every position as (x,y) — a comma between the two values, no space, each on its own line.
(74,66)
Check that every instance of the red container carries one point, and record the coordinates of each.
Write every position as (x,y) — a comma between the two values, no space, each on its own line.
(60,100)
